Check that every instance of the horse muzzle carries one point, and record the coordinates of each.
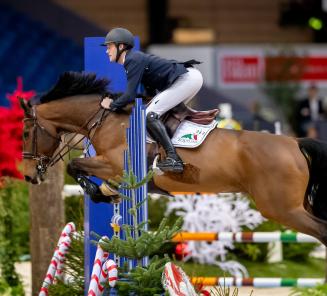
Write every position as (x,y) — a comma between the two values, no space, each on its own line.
(34,171)
(34,180)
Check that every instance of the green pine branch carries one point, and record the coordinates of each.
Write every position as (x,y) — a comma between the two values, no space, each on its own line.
(147,244)
(145,281)
(8,243)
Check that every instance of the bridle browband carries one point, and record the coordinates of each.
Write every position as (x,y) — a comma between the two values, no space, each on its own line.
(45,161)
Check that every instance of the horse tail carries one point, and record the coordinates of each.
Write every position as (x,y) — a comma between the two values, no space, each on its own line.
(315,153)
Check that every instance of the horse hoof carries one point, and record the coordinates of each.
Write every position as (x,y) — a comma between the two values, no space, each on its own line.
(116,199)
(100,198)
(113,199)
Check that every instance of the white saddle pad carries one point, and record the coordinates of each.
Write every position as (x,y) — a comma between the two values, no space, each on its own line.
(191,135)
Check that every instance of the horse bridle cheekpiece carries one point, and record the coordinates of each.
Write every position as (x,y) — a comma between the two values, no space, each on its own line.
(43,161)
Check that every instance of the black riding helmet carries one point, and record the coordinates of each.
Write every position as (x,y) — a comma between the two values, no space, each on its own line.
(119,36)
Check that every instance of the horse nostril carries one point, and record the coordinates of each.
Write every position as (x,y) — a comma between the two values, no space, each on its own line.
(27,178)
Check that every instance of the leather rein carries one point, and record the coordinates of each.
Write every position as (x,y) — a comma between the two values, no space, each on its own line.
(45,161)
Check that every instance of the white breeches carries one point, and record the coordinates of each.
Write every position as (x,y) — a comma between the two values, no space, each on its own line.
(183,89)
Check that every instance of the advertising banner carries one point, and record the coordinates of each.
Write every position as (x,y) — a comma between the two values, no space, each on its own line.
(246,67)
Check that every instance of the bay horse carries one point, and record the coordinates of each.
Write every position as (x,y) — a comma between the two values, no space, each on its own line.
(285,176)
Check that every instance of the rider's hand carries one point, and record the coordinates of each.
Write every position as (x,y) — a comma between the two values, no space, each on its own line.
(106,102)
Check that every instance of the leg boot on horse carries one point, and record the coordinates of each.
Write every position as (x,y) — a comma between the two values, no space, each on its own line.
(79,168)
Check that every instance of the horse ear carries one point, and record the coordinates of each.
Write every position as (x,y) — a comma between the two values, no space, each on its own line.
(24,105)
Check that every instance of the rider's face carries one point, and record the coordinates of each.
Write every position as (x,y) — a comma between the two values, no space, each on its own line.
(111,52)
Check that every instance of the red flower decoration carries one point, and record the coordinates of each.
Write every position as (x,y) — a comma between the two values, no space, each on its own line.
(11,130)
(181,250)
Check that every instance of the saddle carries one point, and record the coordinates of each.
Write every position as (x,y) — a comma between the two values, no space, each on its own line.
(172,119)
(176,115)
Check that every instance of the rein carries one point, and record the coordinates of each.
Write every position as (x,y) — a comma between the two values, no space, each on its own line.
(44,161)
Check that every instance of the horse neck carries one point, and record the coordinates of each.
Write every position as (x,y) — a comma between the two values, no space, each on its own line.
(69,114)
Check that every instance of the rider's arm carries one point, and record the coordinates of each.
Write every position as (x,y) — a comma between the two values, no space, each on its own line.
(134,70)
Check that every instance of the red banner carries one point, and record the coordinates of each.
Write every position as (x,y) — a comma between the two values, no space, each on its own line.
(240,69)
(315,68)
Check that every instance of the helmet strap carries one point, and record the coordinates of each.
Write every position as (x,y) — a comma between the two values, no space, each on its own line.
(119,51)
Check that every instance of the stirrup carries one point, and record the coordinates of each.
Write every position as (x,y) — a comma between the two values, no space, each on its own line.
(155,168)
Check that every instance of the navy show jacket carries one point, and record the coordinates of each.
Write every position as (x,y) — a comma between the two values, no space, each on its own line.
(155,73)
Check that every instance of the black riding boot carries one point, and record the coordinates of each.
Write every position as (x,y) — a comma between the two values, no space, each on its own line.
(158,132)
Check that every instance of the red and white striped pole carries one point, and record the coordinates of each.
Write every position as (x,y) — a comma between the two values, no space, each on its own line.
(96,288)
(58,256)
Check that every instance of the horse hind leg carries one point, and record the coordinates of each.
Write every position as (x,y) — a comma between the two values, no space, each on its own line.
(322,228)
(284,202)
(302,221)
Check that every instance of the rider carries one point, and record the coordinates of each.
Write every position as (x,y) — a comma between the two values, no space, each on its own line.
(173,83)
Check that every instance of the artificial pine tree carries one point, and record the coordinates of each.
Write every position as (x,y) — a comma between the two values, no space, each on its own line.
(139,243)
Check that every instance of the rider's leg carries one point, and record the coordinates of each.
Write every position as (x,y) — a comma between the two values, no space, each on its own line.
(183,89)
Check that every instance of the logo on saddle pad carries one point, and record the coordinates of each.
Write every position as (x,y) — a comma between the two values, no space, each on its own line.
(191,135)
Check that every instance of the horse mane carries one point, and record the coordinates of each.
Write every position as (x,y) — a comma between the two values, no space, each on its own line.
(75,83)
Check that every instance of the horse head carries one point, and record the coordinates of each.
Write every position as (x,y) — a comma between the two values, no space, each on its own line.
(66,108)
(40,140)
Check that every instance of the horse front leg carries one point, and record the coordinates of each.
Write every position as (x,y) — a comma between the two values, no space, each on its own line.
(79,168)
